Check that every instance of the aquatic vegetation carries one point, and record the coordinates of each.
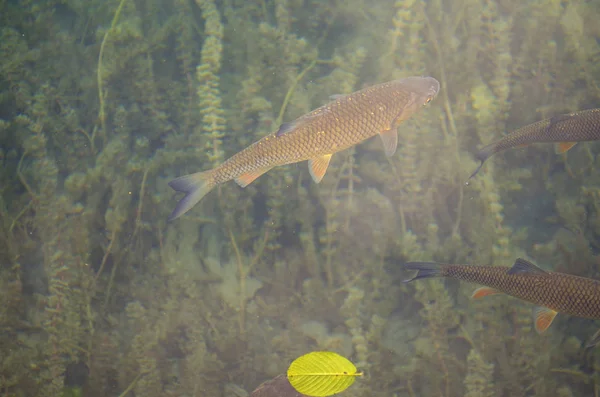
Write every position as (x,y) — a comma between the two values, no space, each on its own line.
(96,286)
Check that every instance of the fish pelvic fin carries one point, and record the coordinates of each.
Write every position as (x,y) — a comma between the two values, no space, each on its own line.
(564,147)
(425,270)
(318,167)
(542,318)
(484,291)
(195,186)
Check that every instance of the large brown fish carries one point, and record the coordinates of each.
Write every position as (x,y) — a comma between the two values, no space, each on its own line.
(567,129)
(316,136)
(552,292)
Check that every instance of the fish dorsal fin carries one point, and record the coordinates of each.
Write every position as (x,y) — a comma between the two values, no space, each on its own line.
(335,97)
(285,128)
(557,120)
(523,266)
(390,141)
(542,318)
(561,147)
(318,167)
(292,125)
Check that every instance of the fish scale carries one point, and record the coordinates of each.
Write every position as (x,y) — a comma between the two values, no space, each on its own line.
(316,136)
(553,292)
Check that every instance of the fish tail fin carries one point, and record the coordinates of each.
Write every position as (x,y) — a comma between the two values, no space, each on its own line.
(482,155)
(476,171)
(593,341)
(195,186)
(425,270)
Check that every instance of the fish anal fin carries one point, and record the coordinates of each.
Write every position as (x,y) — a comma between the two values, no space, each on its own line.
(390,141)
(524,266)
(318,167)
(484,291)
(563,147)
(542,318)
(249,177)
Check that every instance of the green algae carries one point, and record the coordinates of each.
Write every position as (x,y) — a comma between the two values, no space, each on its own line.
(90,271)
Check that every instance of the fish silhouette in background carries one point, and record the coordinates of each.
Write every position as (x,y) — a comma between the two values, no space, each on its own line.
(316,136)
(565,129)
(552,292)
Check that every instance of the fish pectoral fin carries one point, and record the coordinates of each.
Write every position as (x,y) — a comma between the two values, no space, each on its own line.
(524,266)
(563,147)
(542,318)
(390,141)
(318,167)
(484,291)
(249,177)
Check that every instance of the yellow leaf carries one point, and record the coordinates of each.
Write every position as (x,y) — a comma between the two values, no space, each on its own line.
(321,374)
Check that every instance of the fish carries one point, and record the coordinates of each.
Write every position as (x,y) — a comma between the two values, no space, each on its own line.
(551,292)
(316,136)
(565,129)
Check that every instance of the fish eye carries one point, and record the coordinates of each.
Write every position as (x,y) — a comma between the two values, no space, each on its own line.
(429,99)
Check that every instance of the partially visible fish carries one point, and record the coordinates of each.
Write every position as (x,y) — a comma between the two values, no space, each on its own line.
(567,129)
(552,292)
(316,136)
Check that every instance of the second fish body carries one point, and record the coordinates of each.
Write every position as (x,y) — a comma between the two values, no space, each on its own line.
(565,130)
(551,292)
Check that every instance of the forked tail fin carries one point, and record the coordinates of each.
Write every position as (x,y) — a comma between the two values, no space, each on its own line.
(195,186)
(482,155)
(425,270)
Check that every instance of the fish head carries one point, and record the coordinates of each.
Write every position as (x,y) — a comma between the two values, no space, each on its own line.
(421,91)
